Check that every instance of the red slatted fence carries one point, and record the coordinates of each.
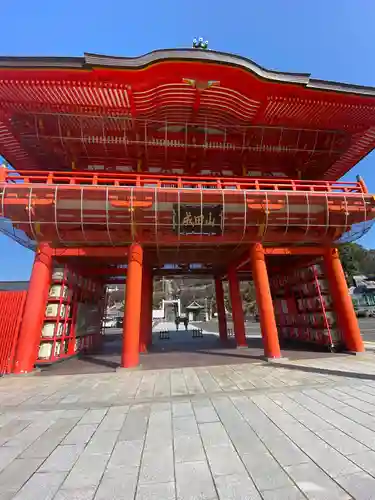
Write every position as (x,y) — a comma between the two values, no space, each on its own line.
(11,310)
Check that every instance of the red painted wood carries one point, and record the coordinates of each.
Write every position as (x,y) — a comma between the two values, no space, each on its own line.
(114,109)
(133,305)
(34,313)
(11,307)
(148,181)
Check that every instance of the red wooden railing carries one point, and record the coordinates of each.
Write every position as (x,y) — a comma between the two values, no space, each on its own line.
(76,178)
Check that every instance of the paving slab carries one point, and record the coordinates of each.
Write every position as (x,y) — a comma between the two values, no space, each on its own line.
(80,494)
(41,486)
(62,458)
(117,487)
(18,472)
(188,448)
(305,429)
(194,481)
(165,491)
(236,487)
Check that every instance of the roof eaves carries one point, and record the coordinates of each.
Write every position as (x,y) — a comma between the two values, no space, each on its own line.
(41,62)
(90,60)
(195,55)
(348,88)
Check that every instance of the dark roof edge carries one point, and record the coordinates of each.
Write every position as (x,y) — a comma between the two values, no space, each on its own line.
(41,62)
(194,55)
(341,87)
(91,60)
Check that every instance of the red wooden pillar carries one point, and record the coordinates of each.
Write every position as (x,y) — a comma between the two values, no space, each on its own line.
(133,300)
(220,306)
(145,334)
(264,301)
(34,312)
(346,317)
(237,311)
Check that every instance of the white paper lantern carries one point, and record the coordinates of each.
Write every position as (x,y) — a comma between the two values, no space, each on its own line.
(53,309)
(57,291)
(45,350)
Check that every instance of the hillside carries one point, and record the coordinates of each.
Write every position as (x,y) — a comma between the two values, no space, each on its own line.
(357,260)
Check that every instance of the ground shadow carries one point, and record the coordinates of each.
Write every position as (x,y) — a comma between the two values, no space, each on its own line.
(179,351)
(327,371)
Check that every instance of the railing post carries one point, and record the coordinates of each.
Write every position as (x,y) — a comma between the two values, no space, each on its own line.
(3,173)
(361,182)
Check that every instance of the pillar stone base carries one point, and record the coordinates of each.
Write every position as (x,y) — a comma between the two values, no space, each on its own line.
(282,359)
(124,369)
(32,373)
(361,354)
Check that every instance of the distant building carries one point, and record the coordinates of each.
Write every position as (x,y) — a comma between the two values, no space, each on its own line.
(14,286)
(363,293)
(195,311)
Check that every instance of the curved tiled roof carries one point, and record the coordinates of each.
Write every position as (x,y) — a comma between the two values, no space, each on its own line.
(169,108)
(184,54)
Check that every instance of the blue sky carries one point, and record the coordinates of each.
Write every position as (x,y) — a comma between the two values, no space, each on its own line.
(331,39)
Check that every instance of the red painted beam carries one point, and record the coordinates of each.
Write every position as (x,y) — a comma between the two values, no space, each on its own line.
(91,252)
(115,282)
(183,272)
(294,251)
(245,259)
(106,271)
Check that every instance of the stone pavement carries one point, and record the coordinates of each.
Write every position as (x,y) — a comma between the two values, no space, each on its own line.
(180,335)
(234,432)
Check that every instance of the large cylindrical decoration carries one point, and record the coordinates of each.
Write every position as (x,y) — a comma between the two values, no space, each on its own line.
(346,317)
(264,302)
(133,300)
(33,316)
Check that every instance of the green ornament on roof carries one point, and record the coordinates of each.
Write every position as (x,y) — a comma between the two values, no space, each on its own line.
(200,43)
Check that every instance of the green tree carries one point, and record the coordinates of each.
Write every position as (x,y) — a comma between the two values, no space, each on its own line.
(349,260)
(356,260)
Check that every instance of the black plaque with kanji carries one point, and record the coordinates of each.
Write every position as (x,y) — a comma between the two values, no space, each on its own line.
(197,219)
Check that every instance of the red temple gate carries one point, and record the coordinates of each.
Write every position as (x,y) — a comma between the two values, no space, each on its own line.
(206,162)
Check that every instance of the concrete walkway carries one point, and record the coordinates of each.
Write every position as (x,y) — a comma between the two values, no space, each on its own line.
(234,432)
